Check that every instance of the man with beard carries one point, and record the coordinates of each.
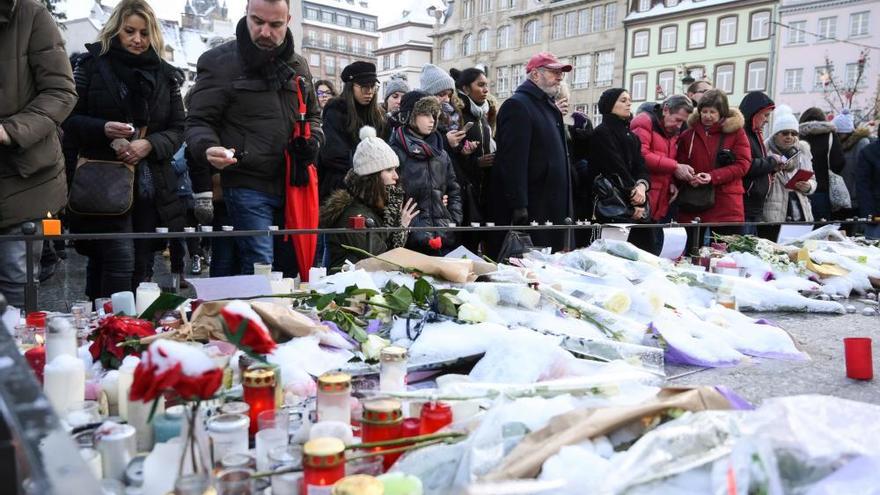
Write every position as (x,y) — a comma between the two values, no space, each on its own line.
(530,179)
(241,113)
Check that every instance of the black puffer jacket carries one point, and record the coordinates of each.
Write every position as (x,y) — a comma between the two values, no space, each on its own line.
(336,154)
(616,151)
(426,174)
(819,135)
(99,104)
(474,180)
(757,181)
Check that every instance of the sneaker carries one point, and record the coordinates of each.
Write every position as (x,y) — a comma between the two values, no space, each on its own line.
(196,268)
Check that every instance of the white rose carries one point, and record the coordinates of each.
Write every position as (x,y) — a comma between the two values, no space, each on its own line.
(472,313)
(373,346)
(619,302)
(488,294)
(528,298)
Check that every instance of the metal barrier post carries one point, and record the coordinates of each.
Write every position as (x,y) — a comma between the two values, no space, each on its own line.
(30,285)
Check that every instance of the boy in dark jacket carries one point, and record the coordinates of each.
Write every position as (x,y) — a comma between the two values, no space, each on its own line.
(756,108)
(426,173)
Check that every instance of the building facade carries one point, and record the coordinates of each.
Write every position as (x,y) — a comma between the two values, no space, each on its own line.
(729,42)
(405,44)
(335,33)
(824,59)
(501,35)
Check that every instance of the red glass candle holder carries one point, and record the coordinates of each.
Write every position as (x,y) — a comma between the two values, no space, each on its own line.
(36,319)
(36,358)
(323,463)
(435,415)
(258,386)
(858,357)
(382,420)
(411,427)
(357,222)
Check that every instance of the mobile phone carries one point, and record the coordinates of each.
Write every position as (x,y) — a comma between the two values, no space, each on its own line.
(467,126)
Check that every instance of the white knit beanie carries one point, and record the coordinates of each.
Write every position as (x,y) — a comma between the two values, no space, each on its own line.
(434,80)
(783,120)
(372,154)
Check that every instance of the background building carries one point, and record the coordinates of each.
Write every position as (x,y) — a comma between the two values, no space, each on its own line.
(335,33)
(726,41)
(840,31)
(501,35)
(405,44)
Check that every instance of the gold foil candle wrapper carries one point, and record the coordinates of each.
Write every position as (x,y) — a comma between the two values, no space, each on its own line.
(257,377)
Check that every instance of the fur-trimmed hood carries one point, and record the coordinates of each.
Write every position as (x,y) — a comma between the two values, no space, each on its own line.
(815,128)
(854,138)
(732,123)
(335,206)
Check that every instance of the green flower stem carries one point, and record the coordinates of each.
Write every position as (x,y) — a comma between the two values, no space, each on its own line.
(399,450)
(405,441)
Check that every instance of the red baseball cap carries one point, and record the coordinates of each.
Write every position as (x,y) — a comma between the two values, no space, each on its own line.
(547,60)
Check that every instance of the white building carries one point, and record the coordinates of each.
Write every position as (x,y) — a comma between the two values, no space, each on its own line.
(405,44)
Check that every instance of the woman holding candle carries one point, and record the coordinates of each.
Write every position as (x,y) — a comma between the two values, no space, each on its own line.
(371,191)
(129,110)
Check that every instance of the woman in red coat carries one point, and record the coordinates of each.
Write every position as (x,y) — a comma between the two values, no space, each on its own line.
(717,148)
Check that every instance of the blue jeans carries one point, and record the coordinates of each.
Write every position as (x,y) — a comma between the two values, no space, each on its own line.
(252,210)
(13,265)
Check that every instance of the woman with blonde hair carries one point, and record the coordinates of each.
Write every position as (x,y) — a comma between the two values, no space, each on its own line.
(130,111)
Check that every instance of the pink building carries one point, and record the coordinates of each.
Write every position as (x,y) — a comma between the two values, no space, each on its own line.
(844,31)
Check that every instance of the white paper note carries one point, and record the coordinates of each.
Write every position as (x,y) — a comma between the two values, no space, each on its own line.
(788,232)
(674,242)
(616,232)
(211,289)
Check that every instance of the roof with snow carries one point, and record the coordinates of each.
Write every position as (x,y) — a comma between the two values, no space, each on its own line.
(412,11)
(684,6)
(359,6)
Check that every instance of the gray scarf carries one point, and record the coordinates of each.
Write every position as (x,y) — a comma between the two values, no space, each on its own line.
(478,111)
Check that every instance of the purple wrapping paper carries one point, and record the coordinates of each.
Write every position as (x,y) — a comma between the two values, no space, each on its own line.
(677,356)
(736,401)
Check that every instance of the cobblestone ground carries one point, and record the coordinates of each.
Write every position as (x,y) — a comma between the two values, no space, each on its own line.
(821,336)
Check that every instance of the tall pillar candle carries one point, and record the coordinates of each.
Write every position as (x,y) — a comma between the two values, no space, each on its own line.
(147,293)
(123,302)
(123,384)
(117,445)
(138,413)
(64,382)
(60,338)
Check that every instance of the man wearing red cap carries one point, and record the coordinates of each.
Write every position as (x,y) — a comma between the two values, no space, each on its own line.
(531,178)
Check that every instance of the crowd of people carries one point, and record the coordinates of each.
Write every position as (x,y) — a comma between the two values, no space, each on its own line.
(251,128)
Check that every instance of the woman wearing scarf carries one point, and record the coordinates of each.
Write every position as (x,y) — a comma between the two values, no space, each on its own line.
(129,110)
(616,153)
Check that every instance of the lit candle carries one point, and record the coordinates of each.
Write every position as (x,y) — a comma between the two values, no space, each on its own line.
(36,358)
(51,226)
(64,382)
(258,391)
(323,463)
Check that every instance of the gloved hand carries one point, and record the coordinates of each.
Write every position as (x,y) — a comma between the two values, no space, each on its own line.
(580,120)
(520,216)
(204,208)
(303,152)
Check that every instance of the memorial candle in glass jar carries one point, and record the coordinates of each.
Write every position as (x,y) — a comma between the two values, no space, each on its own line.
(229,433)
(392,377)
(323,465)
(382,420)
(258,384)
(435,415)
(334,397)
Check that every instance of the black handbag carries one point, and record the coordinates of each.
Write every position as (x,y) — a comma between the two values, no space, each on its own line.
(696,199)
(515,245)
(101,187)
(611,203)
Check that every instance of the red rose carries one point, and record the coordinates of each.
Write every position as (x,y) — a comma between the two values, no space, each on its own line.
(112,331)
(256,337)
(436,243)
(169,365)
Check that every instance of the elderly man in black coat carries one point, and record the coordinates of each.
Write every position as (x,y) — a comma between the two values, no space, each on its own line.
(531,178)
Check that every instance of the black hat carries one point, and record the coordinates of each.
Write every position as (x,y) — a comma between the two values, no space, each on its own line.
(608,99)
(360,72)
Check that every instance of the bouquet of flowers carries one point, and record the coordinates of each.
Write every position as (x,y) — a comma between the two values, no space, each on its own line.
(117,337)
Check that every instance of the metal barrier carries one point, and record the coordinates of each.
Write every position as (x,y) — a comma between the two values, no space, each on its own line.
(29,234)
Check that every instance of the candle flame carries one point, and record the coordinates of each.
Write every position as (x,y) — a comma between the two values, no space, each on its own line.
(48,214)
(38,339)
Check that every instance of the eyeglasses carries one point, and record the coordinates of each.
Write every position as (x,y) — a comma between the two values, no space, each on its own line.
(324,93)
(368,87)
(788,133)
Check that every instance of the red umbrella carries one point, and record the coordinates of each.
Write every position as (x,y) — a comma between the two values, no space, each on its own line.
(301,205)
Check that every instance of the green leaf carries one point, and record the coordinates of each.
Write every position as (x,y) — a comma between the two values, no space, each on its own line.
(153,409)
(366,292)
(447,304)
(400,300)
(165,302)
(359,334)
(324,300)
(422,291)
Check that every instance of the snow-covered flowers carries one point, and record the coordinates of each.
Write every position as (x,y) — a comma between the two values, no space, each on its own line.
(246,329)
(183,368)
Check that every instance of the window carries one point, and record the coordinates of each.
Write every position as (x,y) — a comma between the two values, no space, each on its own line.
(610,15)
(858,24)
(644,5)
(517,74)
(341,20)
(665,84)
(314,60)
(582,65)
(727,27)
(370,25)
(796,32)
(724,77)
(756,75)
(639,86)
(668,39)
(532,32)
(355,45)
(850,75)
(467,9)
(597,18)
(368,48)
(502,80)
(386,62)
(759,25)
(671,3)
(697,73)
(467,45)
(329,65)
(597,116)
(446,50)
(822,77)
(558,29)
(328,40)
(483,40)
(398,60)
(327,17)
(485,6)
(571,23)
(641,42)
(505,4)
(340,42)
(312,14)
(313,38)
(343,62)
(794,80)
(605,68)
(583,21)
(697,35)
(827,28)
(502,37)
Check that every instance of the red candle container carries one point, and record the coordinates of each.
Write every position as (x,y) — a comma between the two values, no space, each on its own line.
(323,464)
(411,427)
(435,415)
(357,222)
(36,319)
(858,357)
(382,420)
(36,358)
(258,385)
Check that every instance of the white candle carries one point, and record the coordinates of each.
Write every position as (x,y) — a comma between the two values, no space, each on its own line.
(316,273)
(123,302)
(138,413)
(64,382)
(110,386)
(123,384)
(147,293)
(60,339)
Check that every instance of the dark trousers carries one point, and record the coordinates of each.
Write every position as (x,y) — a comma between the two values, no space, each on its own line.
(177,248)
(110,267)
(224,253)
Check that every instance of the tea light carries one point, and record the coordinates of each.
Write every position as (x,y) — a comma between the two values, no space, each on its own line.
(161,230)
(227,228)
(60,339)
(229,154)
(207,228)
(189,230)
(36,358)
(258,385)
(51,226)
(357,222)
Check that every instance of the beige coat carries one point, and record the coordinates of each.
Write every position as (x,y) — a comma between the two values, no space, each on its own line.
(776,204)
(36,94)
